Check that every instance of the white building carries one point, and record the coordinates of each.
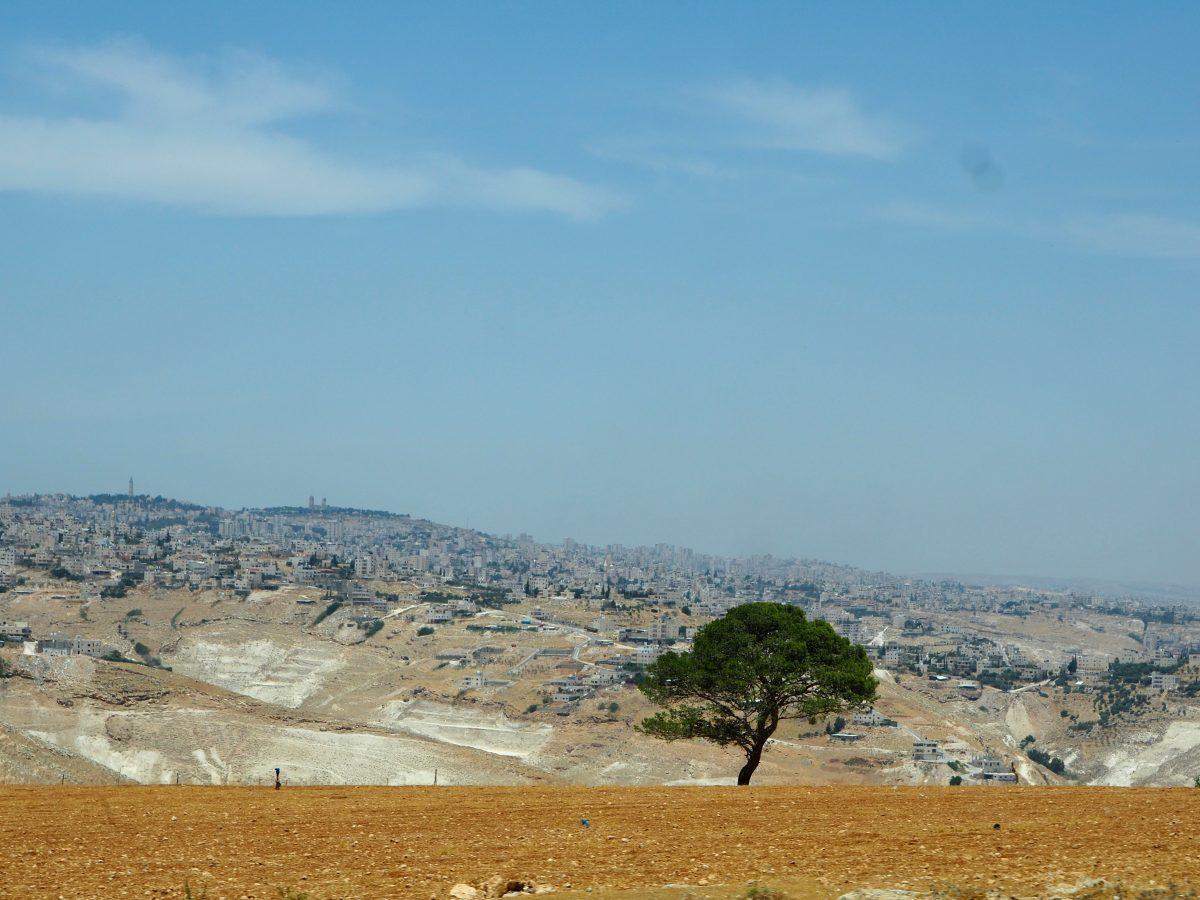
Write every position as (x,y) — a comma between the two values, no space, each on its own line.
(991,765)
(1088,665)
(473,682)
(872,718)
(570,689)
(1164,658)
(1164,681)
(602,678)
(669,630)
(925,750)
(439,614)
(61,645)
(646,654)
(851,631)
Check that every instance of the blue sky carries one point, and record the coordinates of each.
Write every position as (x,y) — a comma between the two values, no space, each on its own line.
(904,286)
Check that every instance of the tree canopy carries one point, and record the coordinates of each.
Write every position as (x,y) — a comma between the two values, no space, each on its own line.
(759,665)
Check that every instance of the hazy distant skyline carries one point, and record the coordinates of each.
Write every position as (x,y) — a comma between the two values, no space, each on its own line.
(911,289)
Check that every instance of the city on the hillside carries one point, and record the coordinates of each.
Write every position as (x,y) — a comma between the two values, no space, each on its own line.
(546,635)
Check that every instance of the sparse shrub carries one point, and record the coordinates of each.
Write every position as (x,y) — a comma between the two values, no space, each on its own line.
(425,630)
(758,891)
(189,895)
(5,669)
(327,612)
(613,707)
(532,708)
(133,613)
(955,780)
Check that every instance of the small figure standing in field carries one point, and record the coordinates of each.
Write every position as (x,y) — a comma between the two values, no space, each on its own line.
(277,784)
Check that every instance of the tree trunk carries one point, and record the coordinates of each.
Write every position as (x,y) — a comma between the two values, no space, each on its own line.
(753,758)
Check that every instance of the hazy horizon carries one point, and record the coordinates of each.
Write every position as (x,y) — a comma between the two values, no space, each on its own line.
(1038,580)
(909,289)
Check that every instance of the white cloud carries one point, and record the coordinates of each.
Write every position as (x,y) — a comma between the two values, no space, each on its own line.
(818,120)
(207,138)
(925,215)
(1136,234)
(1110,234)
(648,154)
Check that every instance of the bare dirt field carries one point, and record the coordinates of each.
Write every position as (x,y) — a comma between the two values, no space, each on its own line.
(701,842)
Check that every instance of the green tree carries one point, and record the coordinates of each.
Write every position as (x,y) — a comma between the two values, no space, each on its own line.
(762,664)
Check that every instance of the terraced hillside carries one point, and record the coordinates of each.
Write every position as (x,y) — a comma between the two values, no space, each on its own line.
(281,678)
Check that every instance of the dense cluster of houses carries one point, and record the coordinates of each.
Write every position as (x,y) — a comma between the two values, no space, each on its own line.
(105,541)
(89,548)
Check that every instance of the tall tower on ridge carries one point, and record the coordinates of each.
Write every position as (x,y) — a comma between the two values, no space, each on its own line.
(130,485)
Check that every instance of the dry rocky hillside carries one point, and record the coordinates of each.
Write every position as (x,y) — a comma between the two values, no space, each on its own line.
(221,690)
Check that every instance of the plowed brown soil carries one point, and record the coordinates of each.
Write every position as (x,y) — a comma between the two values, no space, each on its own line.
(417,842)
